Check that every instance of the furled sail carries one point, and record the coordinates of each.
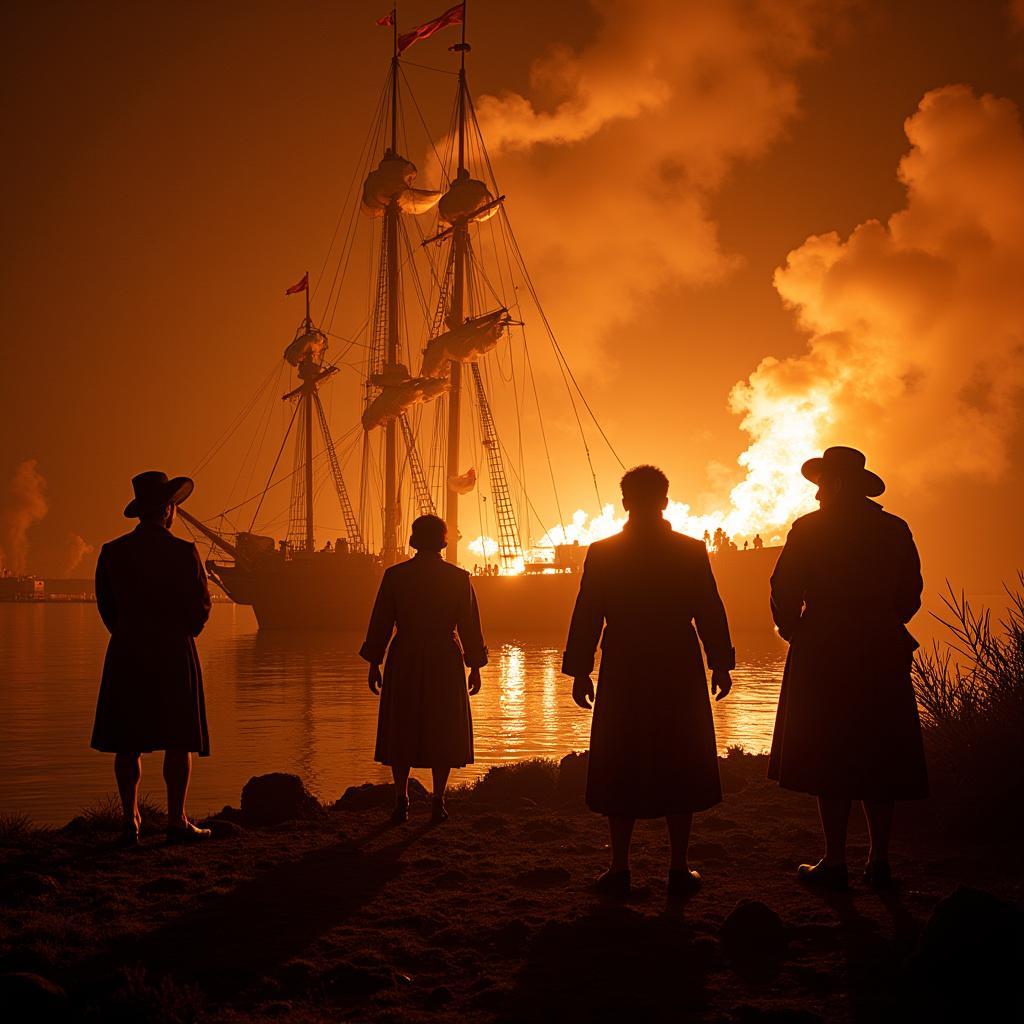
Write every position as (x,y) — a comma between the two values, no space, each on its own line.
(309,343)
(463,483)
(479,334)
(393,179)
(398,394)
(465,201)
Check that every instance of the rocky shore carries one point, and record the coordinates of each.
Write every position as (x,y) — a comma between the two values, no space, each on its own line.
(297,911)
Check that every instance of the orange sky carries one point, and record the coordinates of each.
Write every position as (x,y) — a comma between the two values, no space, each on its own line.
(171,169)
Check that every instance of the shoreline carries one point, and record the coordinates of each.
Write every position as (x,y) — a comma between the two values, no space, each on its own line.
(324,912)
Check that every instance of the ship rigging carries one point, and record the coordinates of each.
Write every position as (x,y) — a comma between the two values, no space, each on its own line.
(428,391)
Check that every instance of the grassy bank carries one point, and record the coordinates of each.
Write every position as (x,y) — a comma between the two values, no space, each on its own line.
(333,915)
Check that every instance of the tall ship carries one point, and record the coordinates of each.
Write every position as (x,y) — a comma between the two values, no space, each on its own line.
(446,305)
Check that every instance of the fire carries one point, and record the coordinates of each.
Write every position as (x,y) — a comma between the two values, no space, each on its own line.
(786,428)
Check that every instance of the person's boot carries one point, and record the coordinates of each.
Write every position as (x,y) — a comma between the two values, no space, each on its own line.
(181,835)
(614,884)
(400,815)
(878,874)
(129,837)
(682,882)
(834,877)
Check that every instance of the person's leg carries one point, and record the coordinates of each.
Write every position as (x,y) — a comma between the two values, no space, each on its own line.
(128,772)
(879,818)
(400,774)
(835,814)
(177,771)
(621,831)
(440,777)
(679,839)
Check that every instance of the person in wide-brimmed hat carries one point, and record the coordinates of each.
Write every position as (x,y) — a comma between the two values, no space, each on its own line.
(846,584)
(152,595)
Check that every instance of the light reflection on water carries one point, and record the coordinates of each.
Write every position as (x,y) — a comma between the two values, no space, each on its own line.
(290,702)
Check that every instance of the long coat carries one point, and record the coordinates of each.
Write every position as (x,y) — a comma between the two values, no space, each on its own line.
(424,719)
(152,595)
(845,585)
(652,740)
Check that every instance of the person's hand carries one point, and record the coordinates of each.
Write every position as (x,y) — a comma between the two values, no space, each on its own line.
(721,683)
(474,682)
(373,678)
(583,692)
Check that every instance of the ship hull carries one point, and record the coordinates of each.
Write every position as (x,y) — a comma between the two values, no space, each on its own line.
(330,594)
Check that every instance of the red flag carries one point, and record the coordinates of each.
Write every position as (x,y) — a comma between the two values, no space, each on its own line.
(388,20)
(302,286)
(453,16)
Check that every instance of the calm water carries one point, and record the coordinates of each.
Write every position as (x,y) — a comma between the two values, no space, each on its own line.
(289,702)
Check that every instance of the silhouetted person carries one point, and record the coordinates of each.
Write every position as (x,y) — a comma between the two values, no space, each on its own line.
(152,595)
(758,543)
(424,719)
(845,585)
(652,741)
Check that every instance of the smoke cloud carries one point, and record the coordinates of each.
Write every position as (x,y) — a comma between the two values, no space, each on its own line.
(23,505)
(77,549)
(917,325)
(631,135)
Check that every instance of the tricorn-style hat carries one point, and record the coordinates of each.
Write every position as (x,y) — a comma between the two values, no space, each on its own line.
(848,465)
(153,491)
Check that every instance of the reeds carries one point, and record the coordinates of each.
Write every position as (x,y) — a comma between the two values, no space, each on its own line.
(970,691)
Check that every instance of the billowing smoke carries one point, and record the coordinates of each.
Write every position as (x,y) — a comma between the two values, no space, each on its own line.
(77,549)
(917,325)
(916,351)
(22,505)
(628,139)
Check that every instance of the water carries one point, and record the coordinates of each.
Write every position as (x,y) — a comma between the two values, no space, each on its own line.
(289,702)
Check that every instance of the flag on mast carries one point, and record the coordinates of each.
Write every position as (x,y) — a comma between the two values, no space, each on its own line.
(388,20)
(302,286)
(453,16)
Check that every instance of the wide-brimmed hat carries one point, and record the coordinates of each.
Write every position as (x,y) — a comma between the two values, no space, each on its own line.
(848,465)
(153,491)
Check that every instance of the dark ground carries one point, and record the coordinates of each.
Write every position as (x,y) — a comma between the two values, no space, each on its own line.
(488,918)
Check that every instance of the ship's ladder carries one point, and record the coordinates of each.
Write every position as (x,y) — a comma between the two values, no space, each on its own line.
(509,546)
(355,536)
(421,492)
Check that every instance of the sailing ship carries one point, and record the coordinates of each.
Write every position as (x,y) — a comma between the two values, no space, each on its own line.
(425,401)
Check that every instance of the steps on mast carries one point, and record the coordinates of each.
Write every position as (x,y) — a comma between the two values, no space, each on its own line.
(509,546)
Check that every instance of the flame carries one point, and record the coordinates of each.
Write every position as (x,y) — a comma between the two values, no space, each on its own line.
(786,429)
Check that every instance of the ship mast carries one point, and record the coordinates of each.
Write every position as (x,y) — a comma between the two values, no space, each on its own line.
(456,317)
(310,374)
(391,510)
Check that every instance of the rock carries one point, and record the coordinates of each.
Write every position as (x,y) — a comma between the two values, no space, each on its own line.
(294,975)
(572,775)
(527,783)
(224,828)
(31,997)
(970,955)
(543,878)
(441,996)
(367,797)
(277,797)
(278,1008)
(752,934)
